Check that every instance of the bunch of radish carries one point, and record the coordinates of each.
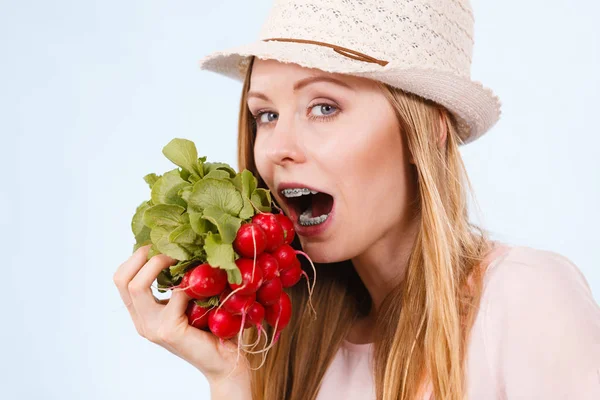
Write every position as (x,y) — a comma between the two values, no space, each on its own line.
(267,263)
(234,257)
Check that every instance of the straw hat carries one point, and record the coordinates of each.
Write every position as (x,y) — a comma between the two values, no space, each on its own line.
(420,46)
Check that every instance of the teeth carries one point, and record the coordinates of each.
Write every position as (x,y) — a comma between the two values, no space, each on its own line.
(306,219)
(297,192)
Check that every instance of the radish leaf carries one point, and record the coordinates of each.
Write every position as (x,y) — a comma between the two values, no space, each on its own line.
(151,179)
(200,166)
(245,182)
(139,229)
(183,234)
(199,224)
(185,192)
(165,190)
(247,211)
(227,224)
(160,237)
(164,280)
(262,199)
(178,270)
(183,153)
(217,174)
(153,251)
(218,166)
(221,255)
(210,302)
(165,215)
(211,192)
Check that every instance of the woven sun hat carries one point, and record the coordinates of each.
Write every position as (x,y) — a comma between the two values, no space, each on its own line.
(420,46)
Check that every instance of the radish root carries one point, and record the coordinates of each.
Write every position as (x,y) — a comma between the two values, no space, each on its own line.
(310,289)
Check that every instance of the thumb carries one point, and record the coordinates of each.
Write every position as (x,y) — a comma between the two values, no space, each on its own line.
(177,304)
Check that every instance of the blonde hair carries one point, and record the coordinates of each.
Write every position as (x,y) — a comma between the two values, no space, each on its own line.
(423,325)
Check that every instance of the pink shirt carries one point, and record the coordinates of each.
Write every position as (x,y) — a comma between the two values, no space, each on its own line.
(536,336)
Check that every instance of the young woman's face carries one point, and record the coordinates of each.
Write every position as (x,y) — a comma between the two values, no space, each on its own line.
(337,135)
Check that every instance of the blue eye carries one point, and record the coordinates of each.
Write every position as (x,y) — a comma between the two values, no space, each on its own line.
(324,110)
(271,116)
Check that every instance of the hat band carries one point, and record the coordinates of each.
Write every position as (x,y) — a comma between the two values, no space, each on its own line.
(355,55)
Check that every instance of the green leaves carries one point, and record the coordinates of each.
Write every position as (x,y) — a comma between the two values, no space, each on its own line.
(151,179)
(208,167)
(245,182)
(221,255)
(183,234)
(227,224)
(183,153)
(221,194)
(165,189)
(139,229)
(195,211)
(160,237)
(221,204)
(209,303)
(261,198)
(164,215)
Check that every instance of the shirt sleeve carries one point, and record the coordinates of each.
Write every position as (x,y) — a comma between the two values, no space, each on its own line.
(542,329)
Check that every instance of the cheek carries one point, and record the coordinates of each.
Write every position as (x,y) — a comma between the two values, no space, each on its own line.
(377,189)
(371,154)
(264,168)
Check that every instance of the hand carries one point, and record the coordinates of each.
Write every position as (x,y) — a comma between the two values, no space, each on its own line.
(167,324)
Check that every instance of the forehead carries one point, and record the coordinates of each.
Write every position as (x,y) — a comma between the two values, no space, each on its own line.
(273,73)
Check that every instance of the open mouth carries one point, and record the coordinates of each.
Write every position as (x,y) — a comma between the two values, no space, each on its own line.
(308,206)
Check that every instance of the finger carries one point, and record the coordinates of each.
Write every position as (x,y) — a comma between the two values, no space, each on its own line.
(139,287)
(127,271)
(130,268)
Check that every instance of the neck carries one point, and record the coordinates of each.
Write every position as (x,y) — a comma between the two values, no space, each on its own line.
(383,267)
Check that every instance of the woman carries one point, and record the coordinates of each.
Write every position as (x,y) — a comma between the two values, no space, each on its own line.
(367,104)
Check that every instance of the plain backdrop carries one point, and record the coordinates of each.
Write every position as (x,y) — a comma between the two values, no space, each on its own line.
(90,92)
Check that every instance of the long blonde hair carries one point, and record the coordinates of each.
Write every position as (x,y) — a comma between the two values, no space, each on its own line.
(423,325)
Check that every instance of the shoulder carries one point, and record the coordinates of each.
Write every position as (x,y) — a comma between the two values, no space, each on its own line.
(539,323)
(527,280)
(527,274)
(528,285)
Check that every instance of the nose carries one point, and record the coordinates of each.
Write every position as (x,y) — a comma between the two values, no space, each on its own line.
(284,145)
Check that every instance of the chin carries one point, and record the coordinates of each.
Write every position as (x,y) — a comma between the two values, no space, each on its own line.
(322,252)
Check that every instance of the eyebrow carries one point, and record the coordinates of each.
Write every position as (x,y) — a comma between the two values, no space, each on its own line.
(302,83)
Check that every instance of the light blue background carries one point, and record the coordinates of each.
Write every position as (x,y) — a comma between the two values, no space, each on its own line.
(90,92)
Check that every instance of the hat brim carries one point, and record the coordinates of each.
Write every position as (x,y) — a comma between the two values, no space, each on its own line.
(475,105)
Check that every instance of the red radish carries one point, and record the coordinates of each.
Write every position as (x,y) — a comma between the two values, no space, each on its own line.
(255,315)
(197,316)
(224,324)
(205,281)
(250,283)
(279,313)
(236,303)
(244,244)
(269,266)
(291,276)
(272,228)
(185,285)
(269,292)
(285,256)
(288,228)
